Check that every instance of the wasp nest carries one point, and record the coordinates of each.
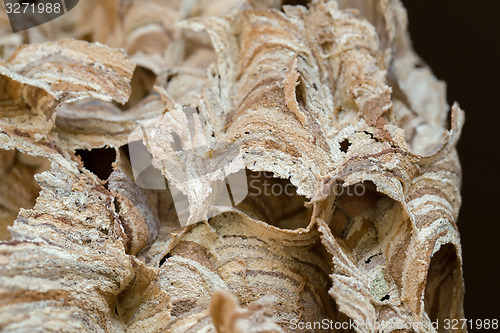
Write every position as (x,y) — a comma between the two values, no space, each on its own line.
(353,176)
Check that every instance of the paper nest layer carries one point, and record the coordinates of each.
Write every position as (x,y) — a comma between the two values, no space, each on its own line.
(325,98)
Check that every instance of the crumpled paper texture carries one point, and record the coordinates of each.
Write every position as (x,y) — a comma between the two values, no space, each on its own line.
(326,96)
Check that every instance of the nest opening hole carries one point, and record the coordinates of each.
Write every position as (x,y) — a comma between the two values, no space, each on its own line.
(357,208)
(98,161)
(301,92)
(275,201)
(304,3)
(344,146)
(20,189)
(142,84)
(443,279)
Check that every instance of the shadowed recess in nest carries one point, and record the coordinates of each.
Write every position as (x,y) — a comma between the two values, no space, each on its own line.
(442,280)
(275,201)
(20,189)
(99,161)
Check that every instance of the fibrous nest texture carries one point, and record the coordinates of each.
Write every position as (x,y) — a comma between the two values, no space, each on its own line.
(324,99)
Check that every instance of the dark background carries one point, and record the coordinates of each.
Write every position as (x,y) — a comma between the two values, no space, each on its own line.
(460,41)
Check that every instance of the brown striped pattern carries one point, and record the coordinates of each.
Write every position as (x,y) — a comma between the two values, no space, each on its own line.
(327,98)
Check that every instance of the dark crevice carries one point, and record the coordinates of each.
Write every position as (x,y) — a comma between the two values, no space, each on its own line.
(99,161)
(170,77)
(275,201)
(448,122)
(371,136)
(330,306)
(300,93)
(295,3)
(162,261)
(344,146)
(125,150)
(142,84)
(356,209)
(19,187)
(327,47)
(443,279)
(87,37)
(367,261)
